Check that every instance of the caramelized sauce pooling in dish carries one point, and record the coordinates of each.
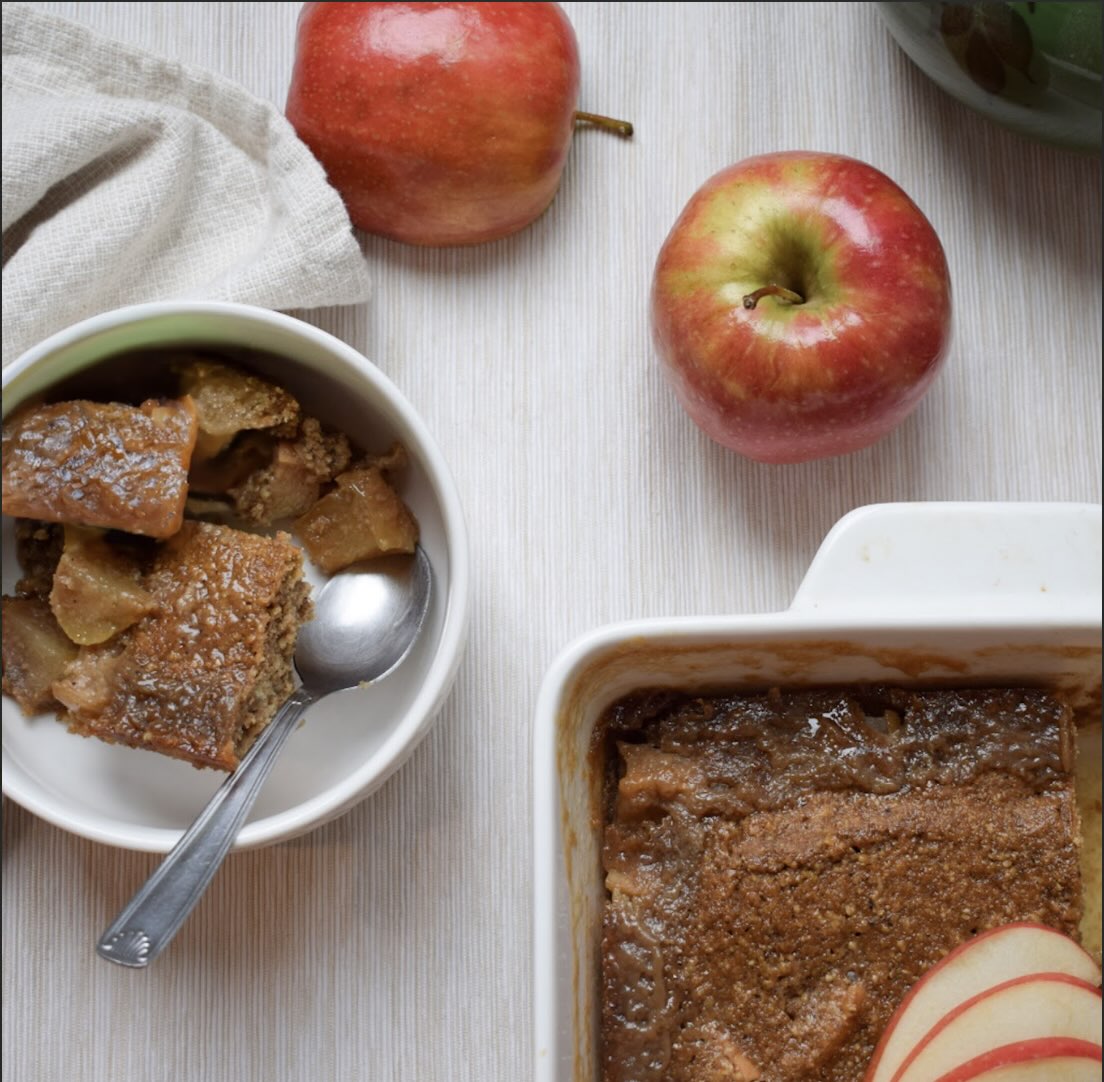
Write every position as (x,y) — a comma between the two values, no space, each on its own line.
(781,867)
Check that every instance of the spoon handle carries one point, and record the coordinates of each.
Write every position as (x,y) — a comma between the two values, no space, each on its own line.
(153,916)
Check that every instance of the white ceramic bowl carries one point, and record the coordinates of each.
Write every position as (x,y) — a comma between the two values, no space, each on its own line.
(351,742)
(901,593)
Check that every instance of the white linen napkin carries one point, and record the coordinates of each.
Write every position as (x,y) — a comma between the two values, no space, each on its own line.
(129,178)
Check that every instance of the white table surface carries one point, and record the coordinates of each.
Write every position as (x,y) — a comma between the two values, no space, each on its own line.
(395,942)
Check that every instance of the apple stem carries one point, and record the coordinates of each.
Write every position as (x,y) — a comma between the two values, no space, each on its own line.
(752,299)
(618,127)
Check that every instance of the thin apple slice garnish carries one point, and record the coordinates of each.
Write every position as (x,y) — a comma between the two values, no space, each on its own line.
(1053,1059)
(994,957)
(1044,1005)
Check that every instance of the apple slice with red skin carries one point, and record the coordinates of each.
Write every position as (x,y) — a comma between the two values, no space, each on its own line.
(1053,1059)
(1025,1008)
(998,955)
(1060,1069)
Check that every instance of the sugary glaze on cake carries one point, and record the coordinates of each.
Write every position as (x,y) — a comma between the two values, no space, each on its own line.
(782,867)
(199,677)
(101,464)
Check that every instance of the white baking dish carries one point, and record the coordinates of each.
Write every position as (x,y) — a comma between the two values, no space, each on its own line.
(936,593)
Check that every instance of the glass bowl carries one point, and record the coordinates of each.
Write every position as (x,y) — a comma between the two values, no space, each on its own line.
(1032,67)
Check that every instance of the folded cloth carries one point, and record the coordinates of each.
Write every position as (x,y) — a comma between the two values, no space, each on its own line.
(129,178)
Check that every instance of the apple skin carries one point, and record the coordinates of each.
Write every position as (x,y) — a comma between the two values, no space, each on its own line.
(438,123)
(1064,1058)
(989,959)
(788,382)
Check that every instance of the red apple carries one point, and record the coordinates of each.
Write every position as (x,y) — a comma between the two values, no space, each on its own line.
(439,123)
(1042,1006)
(983,962)
(1057,1059)
(801,305)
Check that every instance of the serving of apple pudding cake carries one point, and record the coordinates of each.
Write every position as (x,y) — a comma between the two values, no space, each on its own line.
(160,600)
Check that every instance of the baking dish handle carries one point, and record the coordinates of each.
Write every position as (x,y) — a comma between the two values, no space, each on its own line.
(1043,559)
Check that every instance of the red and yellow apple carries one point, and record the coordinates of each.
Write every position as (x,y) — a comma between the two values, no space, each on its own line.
(801,306)
(438,123)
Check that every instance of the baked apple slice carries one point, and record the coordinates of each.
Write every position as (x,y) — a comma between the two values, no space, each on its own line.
(291,481)
(229,401)
(97,589)
(35,652)
(362,518)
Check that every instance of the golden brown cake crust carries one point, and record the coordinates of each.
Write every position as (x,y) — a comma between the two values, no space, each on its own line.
(200,676)
(771,928)
(101,464)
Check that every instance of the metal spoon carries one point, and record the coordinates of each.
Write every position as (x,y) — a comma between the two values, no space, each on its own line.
(365,623)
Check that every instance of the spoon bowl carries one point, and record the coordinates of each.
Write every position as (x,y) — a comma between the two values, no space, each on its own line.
(366,621)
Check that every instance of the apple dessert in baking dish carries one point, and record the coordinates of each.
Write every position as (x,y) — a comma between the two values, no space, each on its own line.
(782,867)
(152,610)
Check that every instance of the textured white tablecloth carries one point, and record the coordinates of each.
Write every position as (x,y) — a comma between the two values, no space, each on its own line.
(395,942)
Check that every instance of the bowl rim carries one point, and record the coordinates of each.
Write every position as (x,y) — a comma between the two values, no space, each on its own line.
(442,667)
